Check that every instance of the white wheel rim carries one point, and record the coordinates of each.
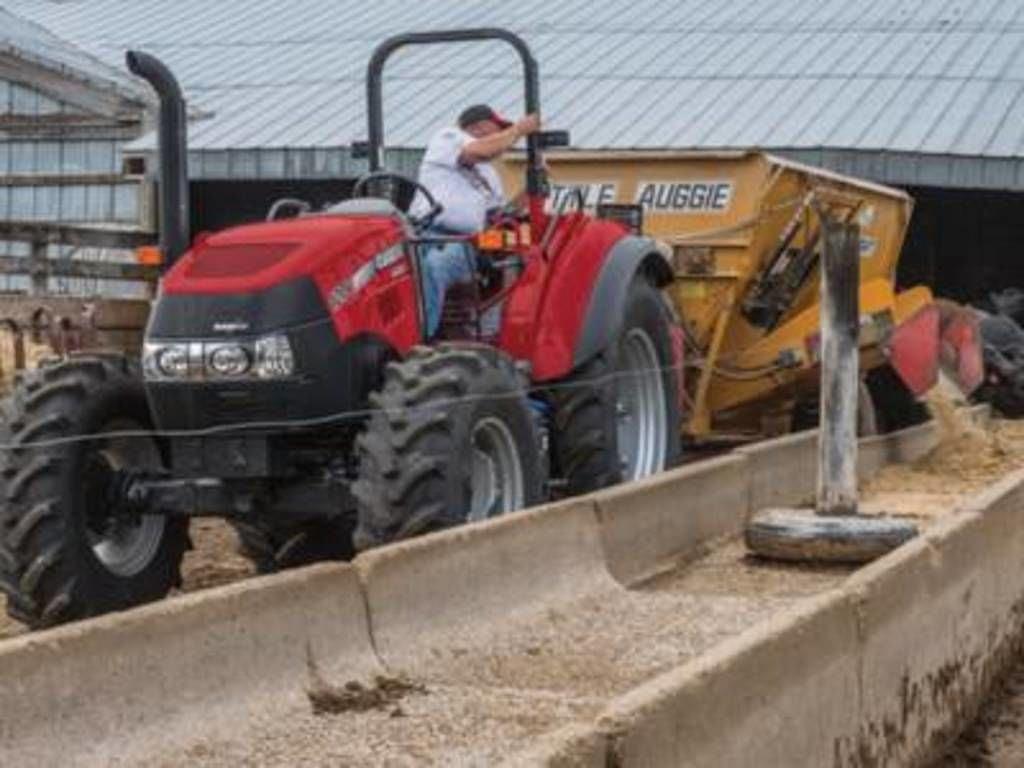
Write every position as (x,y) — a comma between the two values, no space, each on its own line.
(497,471)
(127,548)
(640,408)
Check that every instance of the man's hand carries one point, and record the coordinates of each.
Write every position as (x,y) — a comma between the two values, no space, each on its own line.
(490,147)
(528,124)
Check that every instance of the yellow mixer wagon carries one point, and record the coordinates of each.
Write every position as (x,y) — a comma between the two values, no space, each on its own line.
(743,231)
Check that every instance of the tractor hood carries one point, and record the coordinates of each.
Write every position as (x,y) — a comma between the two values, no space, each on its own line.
(258,257)
(266,277)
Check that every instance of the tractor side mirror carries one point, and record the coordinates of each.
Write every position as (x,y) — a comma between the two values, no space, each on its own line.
(553,139)
(360,150)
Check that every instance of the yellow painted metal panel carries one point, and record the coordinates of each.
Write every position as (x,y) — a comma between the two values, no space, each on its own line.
(731,221)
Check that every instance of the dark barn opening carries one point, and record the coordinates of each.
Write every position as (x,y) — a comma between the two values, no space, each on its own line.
(964,243)
(215,205)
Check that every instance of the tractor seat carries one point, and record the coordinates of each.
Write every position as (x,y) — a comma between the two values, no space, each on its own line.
(371,206)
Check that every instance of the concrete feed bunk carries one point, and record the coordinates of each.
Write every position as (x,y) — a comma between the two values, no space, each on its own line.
(477,644)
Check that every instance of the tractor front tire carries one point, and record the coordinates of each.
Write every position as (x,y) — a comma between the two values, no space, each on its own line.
(637,377)
(62,555)
(453,439)
(274,547)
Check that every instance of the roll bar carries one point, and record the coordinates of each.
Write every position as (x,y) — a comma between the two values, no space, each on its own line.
(536,176)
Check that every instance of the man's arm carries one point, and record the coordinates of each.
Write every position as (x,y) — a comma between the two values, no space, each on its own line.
(518,200)
(490,147)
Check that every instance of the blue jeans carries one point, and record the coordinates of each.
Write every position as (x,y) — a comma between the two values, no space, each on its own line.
(443,265)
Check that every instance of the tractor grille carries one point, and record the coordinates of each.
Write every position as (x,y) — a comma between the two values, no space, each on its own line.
(193,407)
(234,406)
(232,260)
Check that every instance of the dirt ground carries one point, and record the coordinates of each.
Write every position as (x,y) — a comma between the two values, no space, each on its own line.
(213,560)
(34,354)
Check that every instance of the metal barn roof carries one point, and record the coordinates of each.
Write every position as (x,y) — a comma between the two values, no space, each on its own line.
(905,91)
(29,41)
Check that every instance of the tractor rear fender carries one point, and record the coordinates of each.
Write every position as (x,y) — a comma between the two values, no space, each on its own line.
(566,308)
(629,257)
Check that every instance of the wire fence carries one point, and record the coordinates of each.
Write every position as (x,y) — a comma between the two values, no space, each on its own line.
(288,425)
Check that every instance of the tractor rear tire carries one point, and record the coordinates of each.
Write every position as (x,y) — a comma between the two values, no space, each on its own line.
(61,556)
(588,405)
(274,548)
(453,440)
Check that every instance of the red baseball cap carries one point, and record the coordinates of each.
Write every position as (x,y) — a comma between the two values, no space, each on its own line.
(480,112)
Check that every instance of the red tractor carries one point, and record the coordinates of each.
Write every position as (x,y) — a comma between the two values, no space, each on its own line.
(286,384)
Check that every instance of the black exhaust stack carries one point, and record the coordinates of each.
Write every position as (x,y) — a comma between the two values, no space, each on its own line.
(174,221)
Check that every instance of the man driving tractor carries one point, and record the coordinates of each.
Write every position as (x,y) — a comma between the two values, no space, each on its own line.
(457,171)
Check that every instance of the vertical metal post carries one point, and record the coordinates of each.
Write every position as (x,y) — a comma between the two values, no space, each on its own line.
(840,376)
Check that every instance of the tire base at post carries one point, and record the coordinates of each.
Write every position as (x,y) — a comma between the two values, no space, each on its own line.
(794,535)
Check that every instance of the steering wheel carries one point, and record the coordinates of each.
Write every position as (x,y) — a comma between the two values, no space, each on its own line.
(420,222)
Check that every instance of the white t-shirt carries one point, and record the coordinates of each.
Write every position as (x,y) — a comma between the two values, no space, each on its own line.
(467,192)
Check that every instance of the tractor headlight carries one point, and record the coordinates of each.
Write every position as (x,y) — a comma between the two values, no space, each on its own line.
(228,360)
(268,357)
(165,361)
(274,358)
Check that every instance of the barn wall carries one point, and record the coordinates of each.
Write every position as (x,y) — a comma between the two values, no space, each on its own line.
(59,163)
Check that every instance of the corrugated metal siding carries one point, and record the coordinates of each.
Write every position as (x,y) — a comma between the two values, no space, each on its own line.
(25,157)
(935,85)
(41,179)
